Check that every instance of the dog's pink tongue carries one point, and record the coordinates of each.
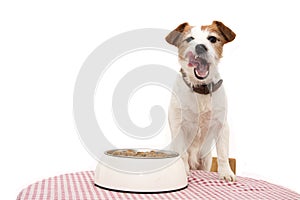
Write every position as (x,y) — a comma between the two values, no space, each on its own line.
(192,61)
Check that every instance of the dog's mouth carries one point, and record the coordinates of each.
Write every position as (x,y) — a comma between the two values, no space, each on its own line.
(201,66)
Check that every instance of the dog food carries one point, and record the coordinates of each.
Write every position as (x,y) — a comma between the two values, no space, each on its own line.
(146,154)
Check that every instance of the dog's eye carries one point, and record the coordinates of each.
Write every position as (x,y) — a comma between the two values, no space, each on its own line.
(212,39)
(189,39)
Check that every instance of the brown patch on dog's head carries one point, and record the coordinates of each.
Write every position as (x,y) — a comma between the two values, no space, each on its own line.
(226,34)
(175,37)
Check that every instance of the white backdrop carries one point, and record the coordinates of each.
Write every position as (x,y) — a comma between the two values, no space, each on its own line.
(43,45)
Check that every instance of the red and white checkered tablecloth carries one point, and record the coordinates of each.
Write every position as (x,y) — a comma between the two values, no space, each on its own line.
(202,185)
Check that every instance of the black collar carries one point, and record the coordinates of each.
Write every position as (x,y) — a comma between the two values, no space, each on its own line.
(204,88)
(208,88)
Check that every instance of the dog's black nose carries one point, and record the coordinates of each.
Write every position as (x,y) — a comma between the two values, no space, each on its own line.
(200,48)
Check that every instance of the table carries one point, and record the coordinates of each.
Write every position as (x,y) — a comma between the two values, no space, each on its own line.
(202,185)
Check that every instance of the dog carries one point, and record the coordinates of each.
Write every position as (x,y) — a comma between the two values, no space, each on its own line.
(197,111)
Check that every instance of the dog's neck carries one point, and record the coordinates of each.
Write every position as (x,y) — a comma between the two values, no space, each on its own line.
(202,88)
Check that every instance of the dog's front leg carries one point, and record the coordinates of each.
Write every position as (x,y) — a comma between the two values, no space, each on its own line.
(222,146)
(185,158)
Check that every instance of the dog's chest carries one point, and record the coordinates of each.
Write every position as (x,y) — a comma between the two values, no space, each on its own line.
(204,103)
(189,101)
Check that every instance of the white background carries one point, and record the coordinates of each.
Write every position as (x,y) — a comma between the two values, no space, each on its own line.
(43,45)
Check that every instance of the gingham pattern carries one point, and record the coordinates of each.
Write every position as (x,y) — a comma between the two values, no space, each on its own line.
(202,185)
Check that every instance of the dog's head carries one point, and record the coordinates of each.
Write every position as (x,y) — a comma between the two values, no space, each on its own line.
(200,49)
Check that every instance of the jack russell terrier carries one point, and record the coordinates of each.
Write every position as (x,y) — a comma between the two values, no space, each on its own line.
(197,109)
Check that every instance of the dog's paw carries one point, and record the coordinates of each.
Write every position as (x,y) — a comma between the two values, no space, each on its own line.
(227,175)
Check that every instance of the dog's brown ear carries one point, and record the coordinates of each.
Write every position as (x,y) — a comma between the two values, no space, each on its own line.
(176,35)
(224,31)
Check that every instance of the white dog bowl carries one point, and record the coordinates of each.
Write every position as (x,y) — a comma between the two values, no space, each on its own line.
(141,174)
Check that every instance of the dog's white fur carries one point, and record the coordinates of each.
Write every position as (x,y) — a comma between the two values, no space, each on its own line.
(200,120)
